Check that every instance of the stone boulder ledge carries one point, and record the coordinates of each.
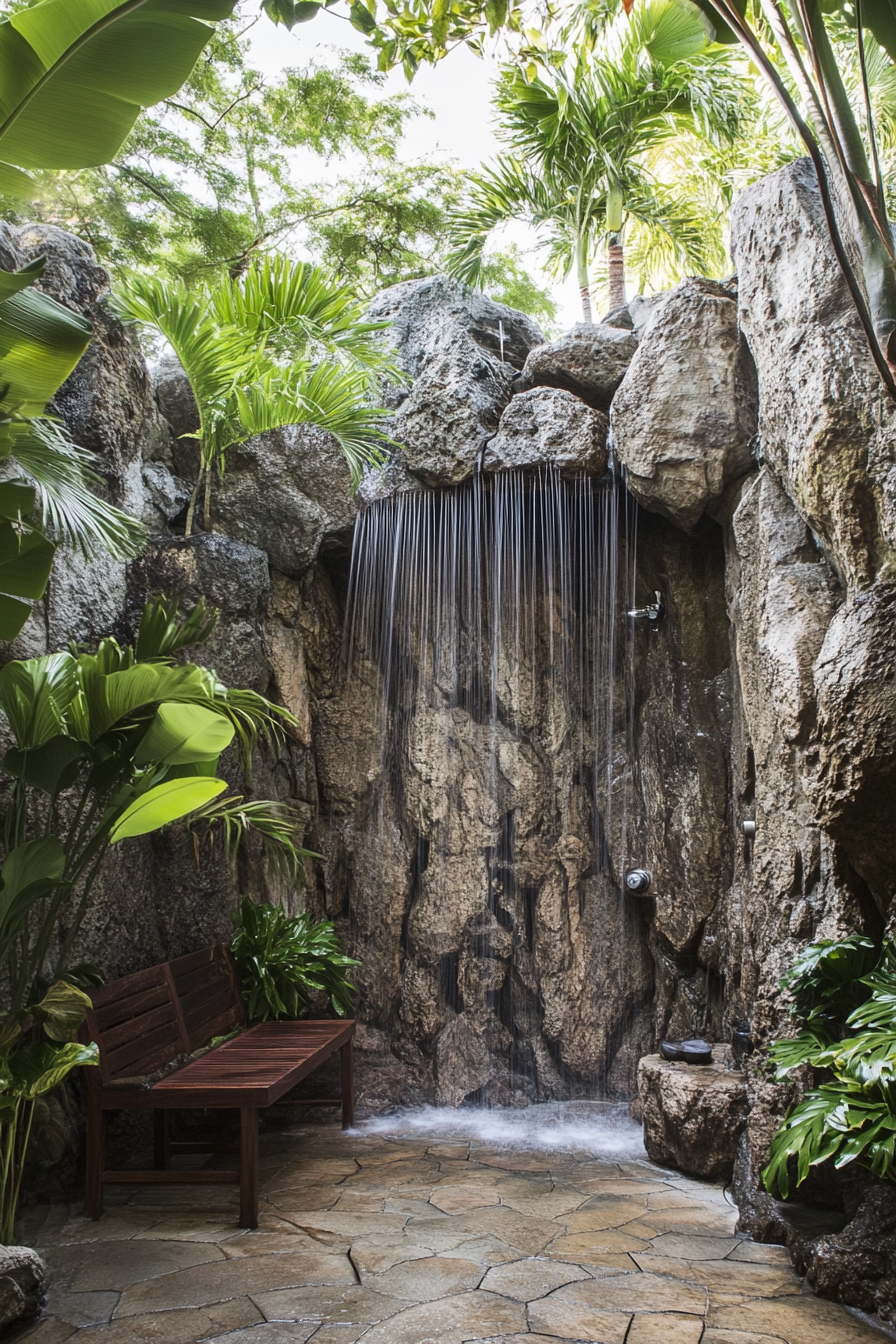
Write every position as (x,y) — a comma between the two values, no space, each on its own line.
(693,1114)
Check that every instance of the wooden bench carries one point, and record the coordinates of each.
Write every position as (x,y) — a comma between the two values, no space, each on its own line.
(147,1021)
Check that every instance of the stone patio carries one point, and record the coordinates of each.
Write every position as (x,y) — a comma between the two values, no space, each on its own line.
(428,1239)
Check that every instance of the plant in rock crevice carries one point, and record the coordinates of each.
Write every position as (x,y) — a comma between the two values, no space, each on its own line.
(282,345)
(845,993)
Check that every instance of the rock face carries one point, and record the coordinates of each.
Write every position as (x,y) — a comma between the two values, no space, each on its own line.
(450,344)
(549,425)
(22,1276)
(590,361)
(683,419)
(693,1114)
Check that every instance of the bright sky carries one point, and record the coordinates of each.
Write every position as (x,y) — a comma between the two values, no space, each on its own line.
(458,91)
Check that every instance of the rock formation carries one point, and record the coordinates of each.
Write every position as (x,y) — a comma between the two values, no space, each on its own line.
(479,876)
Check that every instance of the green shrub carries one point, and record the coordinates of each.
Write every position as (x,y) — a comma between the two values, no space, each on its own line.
(284,959)
(845,992)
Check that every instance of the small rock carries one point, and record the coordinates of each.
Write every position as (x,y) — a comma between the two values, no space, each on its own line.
(549,425)
(22,1279)
(693,1115)
(618,317)
(683,420)
(590,361)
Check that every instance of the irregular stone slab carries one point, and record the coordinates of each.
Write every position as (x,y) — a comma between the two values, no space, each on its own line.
(694,1247)
(428,1279)
(635,1292)
(333,1305)
(457,1198)
(799,1320)
(22,1279)
(693,1115)
(526,1280)
(453,1320)
(568,1320)
(731,1279)
(590,361)
(827,426)
(669,1327)
(552,426)
(684,417)
(178,1327)
(115,1265)
(217,1282)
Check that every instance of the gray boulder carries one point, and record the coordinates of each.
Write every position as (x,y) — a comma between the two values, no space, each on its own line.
(22,1285)
(826,424)
(693,1114)
(590,361)
(461,351)
(290,492)
(175,400)
(424,313)
(391,478)
(683,420)
(549,425)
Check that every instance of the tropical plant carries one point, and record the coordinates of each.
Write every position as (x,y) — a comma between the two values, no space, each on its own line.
(30,1068)
(582,145)
(284,959)
(110,745)
(283,345)
(845,992)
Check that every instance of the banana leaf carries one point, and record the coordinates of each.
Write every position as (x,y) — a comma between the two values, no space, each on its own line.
(167,802)
(184,735)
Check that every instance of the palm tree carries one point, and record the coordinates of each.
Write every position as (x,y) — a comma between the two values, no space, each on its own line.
(585,148)
(282,345)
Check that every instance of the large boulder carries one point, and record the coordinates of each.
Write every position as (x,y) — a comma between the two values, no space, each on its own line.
(826,424)
(174,396)
(590,361)
(461,351)
(684,417)
(288,491)
(693,1114)
(549,425)
(855,750)
(22,1285)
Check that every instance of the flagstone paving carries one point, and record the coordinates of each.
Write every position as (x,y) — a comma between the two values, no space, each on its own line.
(396,1240)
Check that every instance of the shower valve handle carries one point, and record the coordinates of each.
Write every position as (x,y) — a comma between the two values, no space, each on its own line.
(638,880)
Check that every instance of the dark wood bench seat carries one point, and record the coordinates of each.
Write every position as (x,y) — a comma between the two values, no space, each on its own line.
(145,1024)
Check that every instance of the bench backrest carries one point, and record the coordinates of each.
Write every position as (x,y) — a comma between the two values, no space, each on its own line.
(145,1021)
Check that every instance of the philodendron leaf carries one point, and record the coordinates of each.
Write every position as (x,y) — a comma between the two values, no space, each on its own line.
(40,1067)
(31,871)
(165,803)
(61,1011)
(184,735)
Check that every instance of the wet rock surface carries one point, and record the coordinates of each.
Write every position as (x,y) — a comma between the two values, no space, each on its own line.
(547,425)
(693,1114)
(590,361)
(22,1286)
(683,420)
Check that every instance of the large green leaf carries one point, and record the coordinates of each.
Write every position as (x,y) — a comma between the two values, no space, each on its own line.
(75,74)
(40,344)
(119,695)
(184,735)
(51,767)
(40,1067)
(165,803)
(61,1011)
(30,872)
(13,281)
(35,695)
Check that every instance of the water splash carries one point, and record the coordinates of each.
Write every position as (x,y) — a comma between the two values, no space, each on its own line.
(599,1129)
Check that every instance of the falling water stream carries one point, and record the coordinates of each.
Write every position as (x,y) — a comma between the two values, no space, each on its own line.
(495,607)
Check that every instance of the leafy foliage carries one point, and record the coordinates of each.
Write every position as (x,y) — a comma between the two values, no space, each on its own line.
(284,959)
(846,993)
(109,745)
(30,1067)
(582,145)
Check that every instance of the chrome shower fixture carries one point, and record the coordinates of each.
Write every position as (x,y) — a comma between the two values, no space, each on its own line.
(652,612)
(638,881)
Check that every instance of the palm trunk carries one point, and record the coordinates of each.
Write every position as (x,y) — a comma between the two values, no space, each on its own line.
(191,508)
(582,277)
(617,273)
(207,510)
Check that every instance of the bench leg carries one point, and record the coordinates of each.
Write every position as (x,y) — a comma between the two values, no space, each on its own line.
(248,1166)
(96,1156)
(161,1134)
(348,1086)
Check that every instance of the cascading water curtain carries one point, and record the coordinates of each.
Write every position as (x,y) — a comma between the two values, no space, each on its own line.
(491,611)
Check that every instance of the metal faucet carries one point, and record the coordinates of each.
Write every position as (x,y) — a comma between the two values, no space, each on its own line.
(651,612)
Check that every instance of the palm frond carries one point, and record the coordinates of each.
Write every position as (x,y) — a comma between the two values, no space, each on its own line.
(65,478)
(276,823)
